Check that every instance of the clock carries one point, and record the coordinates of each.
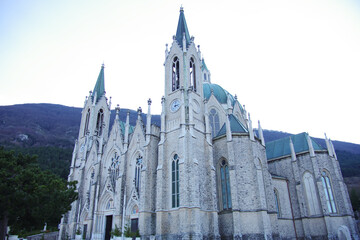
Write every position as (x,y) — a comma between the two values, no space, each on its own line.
(175,105)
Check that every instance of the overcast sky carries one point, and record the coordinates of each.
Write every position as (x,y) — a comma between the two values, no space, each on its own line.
(294,64)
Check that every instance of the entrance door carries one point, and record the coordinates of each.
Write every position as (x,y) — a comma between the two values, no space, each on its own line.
(84,231)
(108,227)
(134,224)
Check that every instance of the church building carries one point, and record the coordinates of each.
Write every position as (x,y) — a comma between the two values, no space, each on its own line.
(203,173)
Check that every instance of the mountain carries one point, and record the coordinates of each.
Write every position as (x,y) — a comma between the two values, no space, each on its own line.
(50,130)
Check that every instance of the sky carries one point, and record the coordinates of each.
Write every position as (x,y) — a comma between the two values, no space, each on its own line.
(295,65)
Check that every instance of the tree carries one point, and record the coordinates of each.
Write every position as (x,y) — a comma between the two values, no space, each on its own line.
(355,201)
(29,196)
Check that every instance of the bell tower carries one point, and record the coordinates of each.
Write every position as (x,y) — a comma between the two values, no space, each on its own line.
(186,186)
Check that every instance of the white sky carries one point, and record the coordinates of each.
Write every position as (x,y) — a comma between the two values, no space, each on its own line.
(294,64)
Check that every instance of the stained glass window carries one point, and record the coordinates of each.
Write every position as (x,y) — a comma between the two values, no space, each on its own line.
(225,185)
(328,192)
(214,122)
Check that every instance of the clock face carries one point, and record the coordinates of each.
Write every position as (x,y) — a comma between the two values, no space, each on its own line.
(175,105)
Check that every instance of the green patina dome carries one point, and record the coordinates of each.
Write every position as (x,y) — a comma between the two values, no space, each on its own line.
(220,94)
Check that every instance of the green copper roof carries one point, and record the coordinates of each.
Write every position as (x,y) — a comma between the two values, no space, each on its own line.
(122,126)
(182,29)
(235,125)
(281,147)
(203,66)
(99,88)
(220,93)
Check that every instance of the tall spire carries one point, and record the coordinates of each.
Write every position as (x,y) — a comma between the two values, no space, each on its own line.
(99,88)
(182,30)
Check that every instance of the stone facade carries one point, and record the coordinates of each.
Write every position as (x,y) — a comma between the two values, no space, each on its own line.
(203,173)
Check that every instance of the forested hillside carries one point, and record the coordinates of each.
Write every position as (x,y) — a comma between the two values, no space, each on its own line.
(50,130)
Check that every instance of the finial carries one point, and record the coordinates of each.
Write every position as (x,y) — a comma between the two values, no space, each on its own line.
(181,8)
(139,110)
(117,107)
(103,65)
(149,101)
(235,97)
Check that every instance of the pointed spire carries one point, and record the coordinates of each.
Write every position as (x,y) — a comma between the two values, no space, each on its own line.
(261,134)
(148,119)
(228,129)
(117,109)
(99,89)
(292,149)
(251,131)
(182,30)
(139,111)
(127,127)
(311,147)
(328,146)
(333,149)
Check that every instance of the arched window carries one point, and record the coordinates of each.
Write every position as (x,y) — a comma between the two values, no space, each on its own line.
(310,192)
(175,196)
(99,122)
(277,202)
(225,185)
(328,192)
(137,173)
(192,74)
(175,74)
(214,122)
(87,122)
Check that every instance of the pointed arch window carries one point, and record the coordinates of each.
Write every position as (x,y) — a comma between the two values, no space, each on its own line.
(277,202)
(328,192)
(87,119)
(310,192)
(214,122)
(99,122)
(175,196)
(192,74)
(225,185)
(138,166)
(175,74)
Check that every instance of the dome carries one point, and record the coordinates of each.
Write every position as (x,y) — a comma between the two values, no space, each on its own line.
(220,93)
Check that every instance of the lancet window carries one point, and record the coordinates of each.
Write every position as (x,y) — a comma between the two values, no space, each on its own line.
(114,170)
(87,119)
(214,122)
(310,192)
(277,202)
(175,196)
(100,122)
(175,74)
(225,185)
(192,74)
(328,192)
(137,173)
